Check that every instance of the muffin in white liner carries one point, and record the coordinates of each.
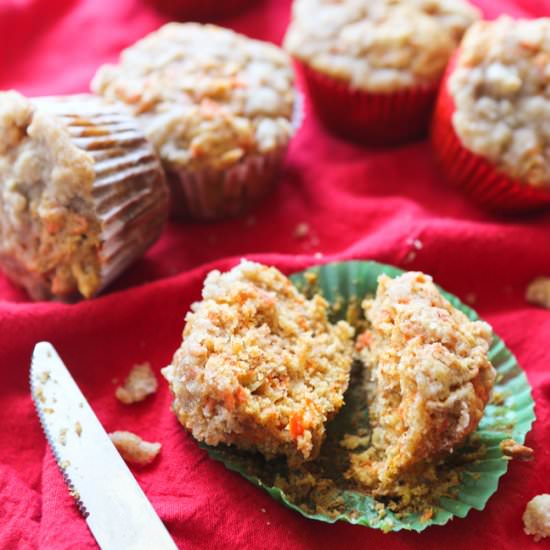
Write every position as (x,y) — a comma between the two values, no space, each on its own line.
(82,194)
(219,107)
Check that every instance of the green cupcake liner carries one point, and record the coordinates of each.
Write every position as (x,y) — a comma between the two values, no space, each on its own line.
(344,285)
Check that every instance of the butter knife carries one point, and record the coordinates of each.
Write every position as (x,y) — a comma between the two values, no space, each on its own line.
(108,496)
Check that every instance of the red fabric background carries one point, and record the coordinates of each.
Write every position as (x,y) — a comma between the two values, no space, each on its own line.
(359,203)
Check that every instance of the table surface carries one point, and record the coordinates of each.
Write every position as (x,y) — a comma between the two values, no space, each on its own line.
(359,203)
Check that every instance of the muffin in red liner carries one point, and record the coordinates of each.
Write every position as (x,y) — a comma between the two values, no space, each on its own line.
(201,9)
(492,183)
(371,118)
(219,107)
(373,69)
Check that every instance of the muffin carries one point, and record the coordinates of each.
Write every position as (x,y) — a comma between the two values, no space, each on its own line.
(491,130)
(373,67)
(219,108)
(260,366)
(83,194)
(201,9)
(428,379)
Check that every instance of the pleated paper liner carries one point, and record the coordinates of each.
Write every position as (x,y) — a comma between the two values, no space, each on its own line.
(211,194)
(130,194)
(371,118)
(510,414)
(473,174)
(202,9)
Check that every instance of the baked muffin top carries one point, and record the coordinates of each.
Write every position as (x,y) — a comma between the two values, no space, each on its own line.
(501,90)
(205,96)
(378,45)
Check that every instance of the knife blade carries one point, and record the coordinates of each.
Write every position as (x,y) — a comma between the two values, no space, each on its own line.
(115,508)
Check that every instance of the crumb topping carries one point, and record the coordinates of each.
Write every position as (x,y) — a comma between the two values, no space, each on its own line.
(379,45)
(139,384)
(536,518)
(515,450)
(429,378)
(205,96)
(260,366)
(538,292)
(501,88)
(133,449)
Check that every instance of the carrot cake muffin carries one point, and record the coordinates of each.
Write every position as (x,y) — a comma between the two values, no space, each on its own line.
(500,91)
(428,378)
(378,45)
(260,366)
(218,107)
(82,194)
(536,518)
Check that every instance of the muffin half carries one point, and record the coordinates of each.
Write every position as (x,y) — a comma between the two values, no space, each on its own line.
(219,107)
(429,378)
(83,194)
(260,366)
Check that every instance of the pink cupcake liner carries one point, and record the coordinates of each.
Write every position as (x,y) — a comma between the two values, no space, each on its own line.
(370,117)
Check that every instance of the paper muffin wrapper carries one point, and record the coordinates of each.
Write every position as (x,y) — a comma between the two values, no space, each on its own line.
(202,9)
(477,177)
(211,194)
(373,118)
(130,194)
(345,284)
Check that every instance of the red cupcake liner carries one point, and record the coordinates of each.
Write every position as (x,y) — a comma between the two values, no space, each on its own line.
(201,9)
(372,118)
(474,175)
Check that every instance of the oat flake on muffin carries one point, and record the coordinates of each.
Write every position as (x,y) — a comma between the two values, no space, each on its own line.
(260,366)
(205,96)
(378,45)
(501,91)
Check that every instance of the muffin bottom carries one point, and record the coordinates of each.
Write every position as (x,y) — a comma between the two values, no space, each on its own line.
(372,118)
(210,194)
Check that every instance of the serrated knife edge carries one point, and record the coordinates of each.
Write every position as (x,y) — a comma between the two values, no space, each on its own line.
(115,508)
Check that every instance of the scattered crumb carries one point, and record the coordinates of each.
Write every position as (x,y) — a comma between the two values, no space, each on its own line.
(515,450)
(250,221)
(140,383)
(64,464)
(471,298)
(415,243)
(75,494)
(268,523)
(318,255)
(538,292)
(78,429)
(536,518)
(133,449)
(114,380)
(39,393)
(427,515)
(49,410)
(301,231)
(410,257)
(264,510)
(63,436)
(44,377)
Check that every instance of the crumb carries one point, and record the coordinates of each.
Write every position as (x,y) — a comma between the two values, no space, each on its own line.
(49,410)
(64,464)
(427,515)
(410,257)
(250,221)
(301,231)
(538,292)
(114,380)
(78,429)
(536,518)
(264,510)
(498,398)
(415,243)
(133,449)
(318,255)
(512,449)
(140,383)
(44,377)
(75,494)
(63,436)
(268,523)
(39,393)
(471,298)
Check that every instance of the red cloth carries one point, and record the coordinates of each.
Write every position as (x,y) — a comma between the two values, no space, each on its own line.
(358,203)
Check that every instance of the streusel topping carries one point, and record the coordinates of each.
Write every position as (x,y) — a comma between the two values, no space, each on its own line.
(205,96)
(378,45)
(501,89)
